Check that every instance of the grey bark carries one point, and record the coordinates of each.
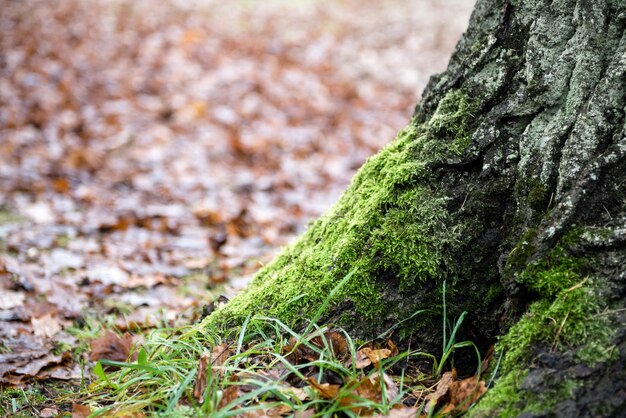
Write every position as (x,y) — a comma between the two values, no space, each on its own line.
(548,156)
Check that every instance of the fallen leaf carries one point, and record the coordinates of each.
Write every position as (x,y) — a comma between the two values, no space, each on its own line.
(9,300)
(485,363)
(80,411)
(393,348)
(33,368)
(111,347)
(62,372)
(367,356)
(401,412)
(336,341)
(307,413)
(441,390)
(219,355)
(108,274)
(463,393)
(299,393)
(48,413)
(229,394)
(46,326)
(299,353)
(391,389)
(325,390)
(201,382)
(362,360)
(367,389)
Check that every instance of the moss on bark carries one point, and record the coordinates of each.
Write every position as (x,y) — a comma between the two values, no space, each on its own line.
(508,183)
(391,221)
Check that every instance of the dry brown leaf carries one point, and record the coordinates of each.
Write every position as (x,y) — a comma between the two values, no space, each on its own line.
(463,393)
(391,389)
(325,390)
(307,413)
(362,359)
(442,389)
(299,353)
(394,348)
(80,411)
(9,299)
(35,366)
(485,364)
(230,394)
(279,411)
(62,372)
(401,412)
(366,389)
(201,383)
(372,356)
(219,355)
(48,413)
(300,393)
(111,347)
(338,343)
(46,326)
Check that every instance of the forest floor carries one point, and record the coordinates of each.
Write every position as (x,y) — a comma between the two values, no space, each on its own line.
(153,154)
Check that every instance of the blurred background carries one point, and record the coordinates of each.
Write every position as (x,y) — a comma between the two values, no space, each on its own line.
(154,153)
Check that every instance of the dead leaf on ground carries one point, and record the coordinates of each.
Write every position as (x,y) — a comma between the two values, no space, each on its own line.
(64,371)
(299,353)
(367,356)
(442,389)
(335,340)
(400,412)
(46,326)
(299,393)
(219,354)
(393,348)
(201,382)
(27,364)
(364,389)
(230,394)
(325,390)
(111,347)
(463,393)
(485,364)
(276,411)
(391,389)
(80,411)
(9,300)
(48,413)
(362,360)
(307,413)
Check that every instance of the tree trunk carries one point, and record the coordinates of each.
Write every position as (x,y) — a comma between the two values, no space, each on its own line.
(509,184)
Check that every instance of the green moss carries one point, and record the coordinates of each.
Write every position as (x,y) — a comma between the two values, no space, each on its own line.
(563,318)
(524,249)
(537,197)
(390,222)
(552,274)
(505,399)
(452,120)
(495,291)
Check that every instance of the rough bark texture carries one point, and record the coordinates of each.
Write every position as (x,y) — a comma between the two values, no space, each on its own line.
(510,184)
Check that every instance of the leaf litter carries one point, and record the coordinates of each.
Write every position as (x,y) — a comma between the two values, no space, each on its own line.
(154,154)
(445,394)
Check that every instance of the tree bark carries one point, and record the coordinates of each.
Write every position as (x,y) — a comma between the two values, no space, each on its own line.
(509,183)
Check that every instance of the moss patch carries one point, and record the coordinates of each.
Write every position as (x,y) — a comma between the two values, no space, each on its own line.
(452,120)
(563,318)
(390,222)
